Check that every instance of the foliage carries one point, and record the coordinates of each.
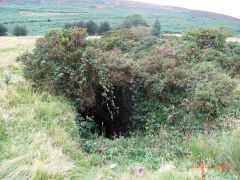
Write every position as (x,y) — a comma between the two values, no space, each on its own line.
(122,39)
(20,30)
(141,31)
(91,27)
(207,37)
(79,24)
(3,30)
(213,91)
(133,21)
(156,29)
(176,82)
(181,82)
(64,61)
(104,27)
(56,55)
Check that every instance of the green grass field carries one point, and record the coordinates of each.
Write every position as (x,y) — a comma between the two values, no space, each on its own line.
(39,138)
(35,16)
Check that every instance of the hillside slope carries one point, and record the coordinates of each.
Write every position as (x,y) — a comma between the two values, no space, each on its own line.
(42,15)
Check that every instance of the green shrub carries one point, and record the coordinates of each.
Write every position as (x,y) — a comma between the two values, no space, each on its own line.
(20,30)
(79,24)
(234,63)
(123,39)
(142,48)
(207,37)
(3,30)
(53,63)
(175,81)
(134,20)
(104,27)
(91,27)
(236,49)
(213,55)
(189,51)
(182,76)
(141,31)
(64,61)
(213,90)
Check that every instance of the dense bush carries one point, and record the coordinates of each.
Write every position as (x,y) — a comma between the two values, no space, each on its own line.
(207,37)
(123,39)
(134,20)
(91,27)
(141,31)
(184,83)
(20,30)
(79,24)
(63,61)
(181,82)
(213,90)
(3,30)
(104,27)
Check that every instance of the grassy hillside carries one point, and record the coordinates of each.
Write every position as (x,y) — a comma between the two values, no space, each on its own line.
(35,15)
(39,138)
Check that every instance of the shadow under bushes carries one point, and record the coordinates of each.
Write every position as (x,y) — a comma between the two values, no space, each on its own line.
(111,121)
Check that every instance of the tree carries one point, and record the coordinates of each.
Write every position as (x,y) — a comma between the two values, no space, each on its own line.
(91,27)
(134,20)
(156,30)
(3,30)
(104,27)
(80,24)
(20,30)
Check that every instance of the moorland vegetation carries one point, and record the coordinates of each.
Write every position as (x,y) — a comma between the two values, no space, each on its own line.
(128,90)
(132,97)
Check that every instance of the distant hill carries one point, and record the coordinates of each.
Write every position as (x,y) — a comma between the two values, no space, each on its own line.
(136,4)
(35,13)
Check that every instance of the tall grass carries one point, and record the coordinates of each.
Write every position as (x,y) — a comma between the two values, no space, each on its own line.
(38,135)
(223,149)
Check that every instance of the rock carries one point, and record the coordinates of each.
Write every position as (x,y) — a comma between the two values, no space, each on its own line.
(138,170)
(113,166)
(167,167)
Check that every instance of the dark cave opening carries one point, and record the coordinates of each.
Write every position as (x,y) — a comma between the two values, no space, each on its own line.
(117,124)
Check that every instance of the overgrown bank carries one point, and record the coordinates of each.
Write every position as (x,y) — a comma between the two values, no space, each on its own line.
(147,82)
